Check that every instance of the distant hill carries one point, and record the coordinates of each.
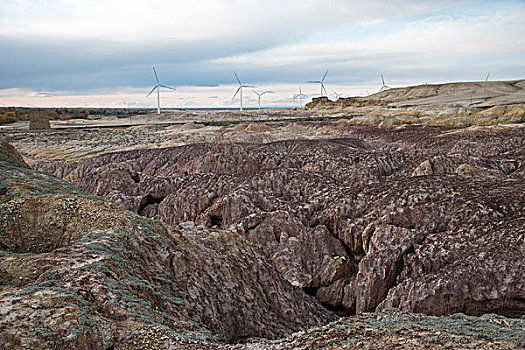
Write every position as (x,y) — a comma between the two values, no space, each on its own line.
(462,94)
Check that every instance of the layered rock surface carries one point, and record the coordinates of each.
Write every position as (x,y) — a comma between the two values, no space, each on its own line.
(419,218)
(77,271)
(479,94)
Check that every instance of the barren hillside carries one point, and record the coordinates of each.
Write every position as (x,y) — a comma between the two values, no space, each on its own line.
(464,94)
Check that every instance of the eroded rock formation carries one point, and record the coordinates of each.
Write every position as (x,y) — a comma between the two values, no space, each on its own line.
(487,94)
(417,218)
(39,120)
(77,271)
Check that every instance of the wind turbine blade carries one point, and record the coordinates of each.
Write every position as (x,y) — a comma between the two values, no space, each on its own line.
(382,79)
(487,78)
(167,87)
(156,86)
(314,82)
(249,86)
(324,75)
(300,89)
(323,88)
(236,92)
(236,77)
(267,92)
(156,77)
(255,92)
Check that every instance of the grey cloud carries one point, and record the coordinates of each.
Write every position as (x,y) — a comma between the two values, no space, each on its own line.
(73,65)
(65,65)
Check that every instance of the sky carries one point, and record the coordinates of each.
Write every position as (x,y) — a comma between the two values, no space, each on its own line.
(100,53)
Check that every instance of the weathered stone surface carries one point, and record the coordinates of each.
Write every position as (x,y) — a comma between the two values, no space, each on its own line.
(312,259)
(465,166)
(333,294)
(39,120)
(77,271)
(341,217)
(311,205)
(349,296)
(461,272)
(379,268)
(465,94)
(9,156)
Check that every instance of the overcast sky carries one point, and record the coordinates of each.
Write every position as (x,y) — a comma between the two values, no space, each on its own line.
(101,52)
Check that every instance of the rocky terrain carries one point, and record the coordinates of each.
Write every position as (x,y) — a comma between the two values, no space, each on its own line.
(390,329)
(451,105)
(422,219)
(471,94)
(77,271)
(389,224)
(85,143)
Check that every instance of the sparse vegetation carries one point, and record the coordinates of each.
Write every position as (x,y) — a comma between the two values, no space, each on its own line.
(13,114)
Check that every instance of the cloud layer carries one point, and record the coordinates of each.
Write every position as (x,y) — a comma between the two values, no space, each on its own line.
(55,49)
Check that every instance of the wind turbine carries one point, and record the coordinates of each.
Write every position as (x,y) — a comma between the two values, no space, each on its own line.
(384,87)
(158,86)
(300,95)
(259,94)
(240,89)
(336,94)
(321,82)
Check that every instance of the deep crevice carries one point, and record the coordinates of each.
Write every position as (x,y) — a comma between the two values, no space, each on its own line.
(340,311)
(135,177)
(351,256)
(400,265)
(349,252)
(311,290)
(148,200)
(216,221)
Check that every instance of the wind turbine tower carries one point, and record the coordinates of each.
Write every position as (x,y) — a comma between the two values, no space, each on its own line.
(321,82)
(384,87)
(259,94)
(300,95)
(158,86)
(239,89)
